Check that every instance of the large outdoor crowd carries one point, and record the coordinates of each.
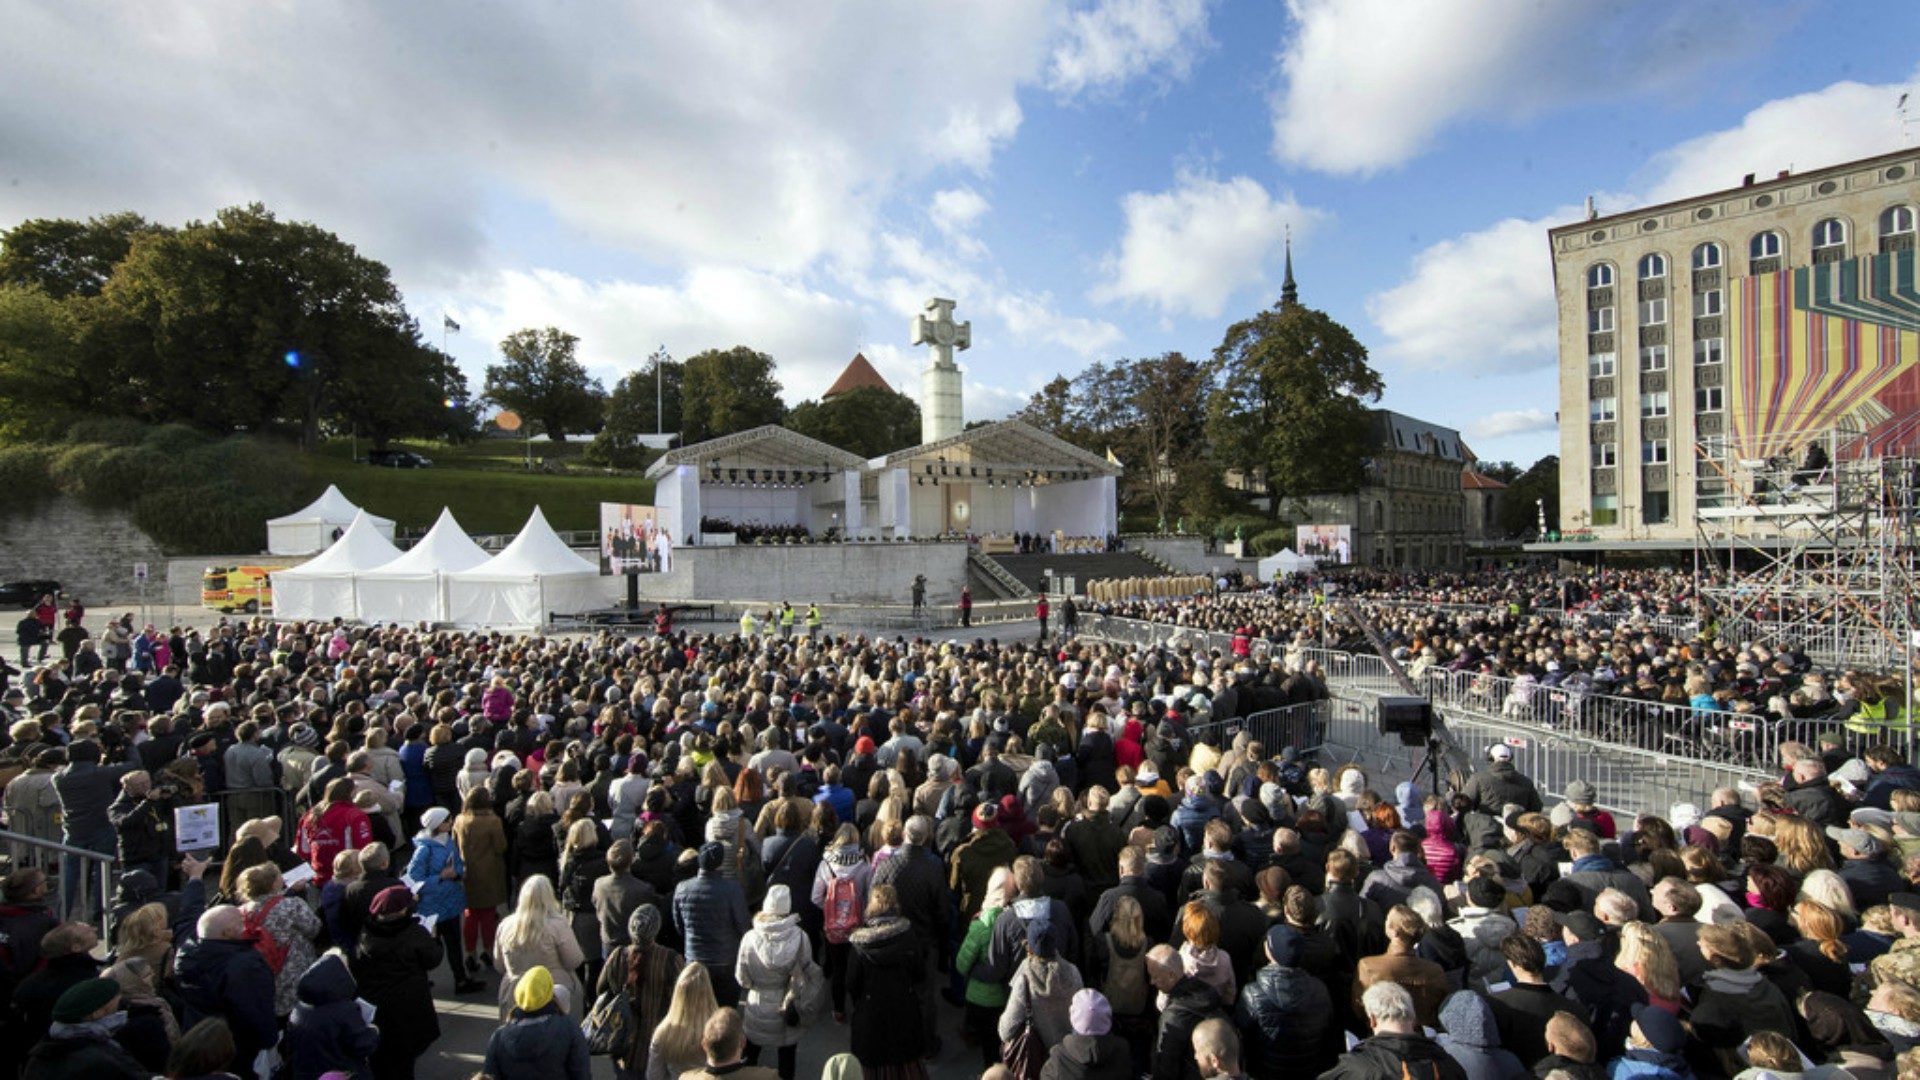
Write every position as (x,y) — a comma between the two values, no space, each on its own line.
(687,850)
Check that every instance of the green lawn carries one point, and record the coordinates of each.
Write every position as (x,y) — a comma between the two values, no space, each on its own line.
(485,500)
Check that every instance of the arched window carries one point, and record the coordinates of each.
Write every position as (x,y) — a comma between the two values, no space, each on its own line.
(1599,275)
(1765,245)
(1896,228)
(1379,516)
(1829,240)
(1706,256)
(1653,266)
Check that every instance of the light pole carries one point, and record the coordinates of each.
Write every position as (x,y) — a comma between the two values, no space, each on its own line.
(660,358)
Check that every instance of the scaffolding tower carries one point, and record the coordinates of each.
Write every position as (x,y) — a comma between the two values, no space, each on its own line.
(1810,545)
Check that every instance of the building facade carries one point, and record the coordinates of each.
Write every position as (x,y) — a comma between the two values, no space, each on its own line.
(1412,511)
(1483,496)
(1701,336)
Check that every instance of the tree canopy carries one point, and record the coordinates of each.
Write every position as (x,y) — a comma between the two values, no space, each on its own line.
(866,420)
(1520,504)
(727,390)
(539,378)
(1289,400)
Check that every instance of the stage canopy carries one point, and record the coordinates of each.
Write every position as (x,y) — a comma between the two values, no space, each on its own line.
(533,576)
(995,480)
(314,526)
(323,586)
(413,587)
(763,476)
(1285,561)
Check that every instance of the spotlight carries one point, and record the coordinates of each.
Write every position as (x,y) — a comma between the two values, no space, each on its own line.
(293,358)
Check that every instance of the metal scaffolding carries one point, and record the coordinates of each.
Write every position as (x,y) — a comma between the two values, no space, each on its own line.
(1811,546)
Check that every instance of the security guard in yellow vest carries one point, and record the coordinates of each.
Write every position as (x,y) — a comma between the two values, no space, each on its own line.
(786,619)
(813,621)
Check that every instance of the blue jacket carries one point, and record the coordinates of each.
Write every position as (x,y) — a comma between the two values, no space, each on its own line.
(1879,794)
(1190,819)
(1649,1065)
(326,1031)
(544,1045)
(838,797)
(441,899)
(413,763)
(711,913)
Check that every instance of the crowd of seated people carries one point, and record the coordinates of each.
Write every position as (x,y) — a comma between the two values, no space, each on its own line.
(755,532)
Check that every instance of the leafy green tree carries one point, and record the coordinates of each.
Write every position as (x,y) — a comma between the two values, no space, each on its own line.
(1519,513)
(1081,410)
(727,390)
(1160,433)
(69,258)
(1504,471)
(40,369)
(246,321)
(866,420)
(539,378)
(631,405)
(1289,399)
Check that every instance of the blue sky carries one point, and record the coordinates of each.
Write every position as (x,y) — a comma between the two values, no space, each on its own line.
(1090,179)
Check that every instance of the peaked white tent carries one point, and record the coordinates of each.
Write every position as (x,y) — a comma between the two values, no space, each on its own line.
(413,587)
(312,527)
(323,586)
(1285,561)
(534,575)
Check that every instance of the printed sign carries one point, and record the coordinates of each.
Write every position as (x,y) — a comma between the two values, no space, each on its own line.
(196,828)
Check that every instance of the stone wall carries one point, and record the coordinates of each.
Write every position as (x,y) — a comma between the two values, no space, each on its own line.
(826,573)
(89,551)
(1185,554)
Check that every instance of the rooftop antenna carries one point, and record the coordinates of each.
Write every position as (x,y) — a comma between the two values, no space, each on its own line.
(1906,120)
(1592,210)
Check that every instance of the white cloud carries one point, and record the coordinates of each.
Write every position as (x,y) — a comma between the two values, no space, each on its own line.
(954,212)
(1188,249)
(1369,84)
(1116,41)
(1483,301)
(1030,318)
(1478,302)
(1500,425)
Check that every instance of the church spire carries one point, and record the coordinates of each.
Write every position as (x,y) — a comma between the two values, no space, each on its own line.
(1289,293)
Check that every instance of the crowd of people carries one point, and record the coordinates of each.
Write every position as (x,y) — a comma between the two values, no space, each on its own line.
(688,851)
(756,532)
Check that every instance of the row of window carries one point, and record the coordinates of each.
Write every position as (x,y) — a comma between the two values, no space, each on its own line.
(1604,365)
(1657,403)
(1606,455)
(1706,304)
(1829,242)
(1654,508)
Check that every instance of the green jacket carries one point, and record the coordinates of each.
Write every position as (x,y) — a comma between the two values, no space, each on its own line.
(973,951)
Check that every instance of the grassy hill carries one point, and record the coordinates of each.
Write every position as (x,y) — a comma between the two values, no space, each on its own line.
(488,493)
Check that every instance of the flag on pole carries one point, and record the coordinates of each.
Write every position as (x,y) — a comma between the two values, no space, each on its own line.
(447,322)
(1111,459)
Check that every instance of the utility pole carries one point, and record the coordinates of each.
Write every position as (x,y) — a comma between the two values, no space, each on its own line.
(660,358)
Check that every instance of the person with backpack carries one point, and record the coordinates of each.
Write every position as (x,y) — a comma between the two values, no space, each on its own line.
(987,990)
(282,928)
(840,888)
(1117,967)
(646,972)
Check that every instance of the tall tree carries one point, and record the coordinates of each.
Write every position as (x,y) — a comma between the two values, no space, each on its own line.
(1504,471)
(1521,503)
(1080,410)
(539,378)
(1289,399)
(727,390)
(69,258)
(41,374)
(866,420)
(1162,428)
(632,404)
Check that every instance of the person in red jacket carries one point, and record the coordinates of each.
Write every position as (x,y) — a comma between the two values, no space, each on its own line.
(1040,611)
(332,827)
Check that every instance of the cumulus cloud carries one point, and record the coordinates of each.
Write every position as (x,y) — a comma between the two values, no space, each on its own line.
(1188,249)
(1369,84)
(954,212)
(1484,300)
(1500,425)
(1116,41)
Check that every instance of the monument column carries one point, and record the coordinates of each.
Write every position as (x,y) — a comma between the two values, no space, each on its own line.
(941,415)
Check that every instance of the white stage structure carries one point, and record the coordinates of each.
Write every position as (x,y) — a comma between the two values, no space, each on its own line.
(534,575)
(413,587)
(1285,561)
(324,587)
(312,527)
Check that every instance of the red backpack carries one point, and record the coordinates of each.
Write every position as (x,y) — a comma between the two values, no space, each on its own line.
(844,908)
(254,923)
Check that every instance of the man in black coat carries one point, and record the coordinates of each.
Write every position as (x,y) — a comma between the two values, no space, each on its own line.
(1156,914)
(1492,788)
(66,950)
(220,973)
(356,903)
(1285,1015)
(1397,1049)
(1813,797)
(1523,1009)
(1188,1002)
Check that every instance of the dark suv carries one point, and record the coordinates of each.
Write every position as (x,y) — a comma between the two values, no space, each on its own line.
(399,459)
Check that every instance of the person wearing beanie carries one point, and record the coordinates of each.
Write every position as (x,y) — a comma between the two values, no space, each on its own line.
(988,849)
(1042,989)
(438,866)
(327,1032)
(710,911)
(1092,1051)
(1286,1014)
(539,1041)
(773,954)
(1655,1048)
(648,971)
(393,961)
(80,1042)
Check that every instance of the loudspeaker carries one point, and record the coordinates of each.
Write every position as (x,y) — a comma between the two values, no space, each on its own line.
(1411,718)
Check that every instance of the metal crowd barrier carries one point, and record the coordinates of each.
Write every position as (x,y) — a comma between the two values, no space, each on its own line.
(59,861)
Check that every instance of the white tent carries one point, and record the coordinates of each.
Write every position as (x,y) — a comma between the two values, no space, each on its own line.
(531,577)
(1285,561)
(323,586)
(311,528)
(413,587)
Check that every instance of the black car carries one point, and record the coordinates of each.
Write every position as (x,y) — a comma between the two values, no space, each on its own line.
(21,595)
(399,459)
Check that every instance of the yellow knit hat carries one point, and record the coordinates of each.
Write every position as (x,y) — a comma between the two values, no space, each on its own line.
(534,990)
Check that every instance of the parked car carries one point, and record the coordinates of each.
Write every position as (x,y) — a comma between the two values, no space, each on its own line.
(24,594)
(399,459)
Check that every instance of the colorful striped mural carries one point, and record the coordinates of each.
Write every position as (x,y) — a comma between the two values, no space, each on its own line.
(1816,348)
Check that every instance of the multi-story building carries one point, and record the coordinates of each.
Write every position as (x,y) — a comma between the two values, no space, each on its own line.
(1730,327)
(1412,510)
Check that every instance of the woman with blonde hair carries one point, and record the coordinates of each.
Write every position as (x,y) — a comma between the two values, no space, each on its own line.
(674,1047)
(145,933)
(581,864)
(537,934)
(1646,956)
(1803,848)
(1820,954)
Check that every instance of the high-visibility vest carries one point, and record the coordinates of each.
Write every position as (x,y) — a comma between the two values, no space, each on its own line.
(746,624)
(813,618)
